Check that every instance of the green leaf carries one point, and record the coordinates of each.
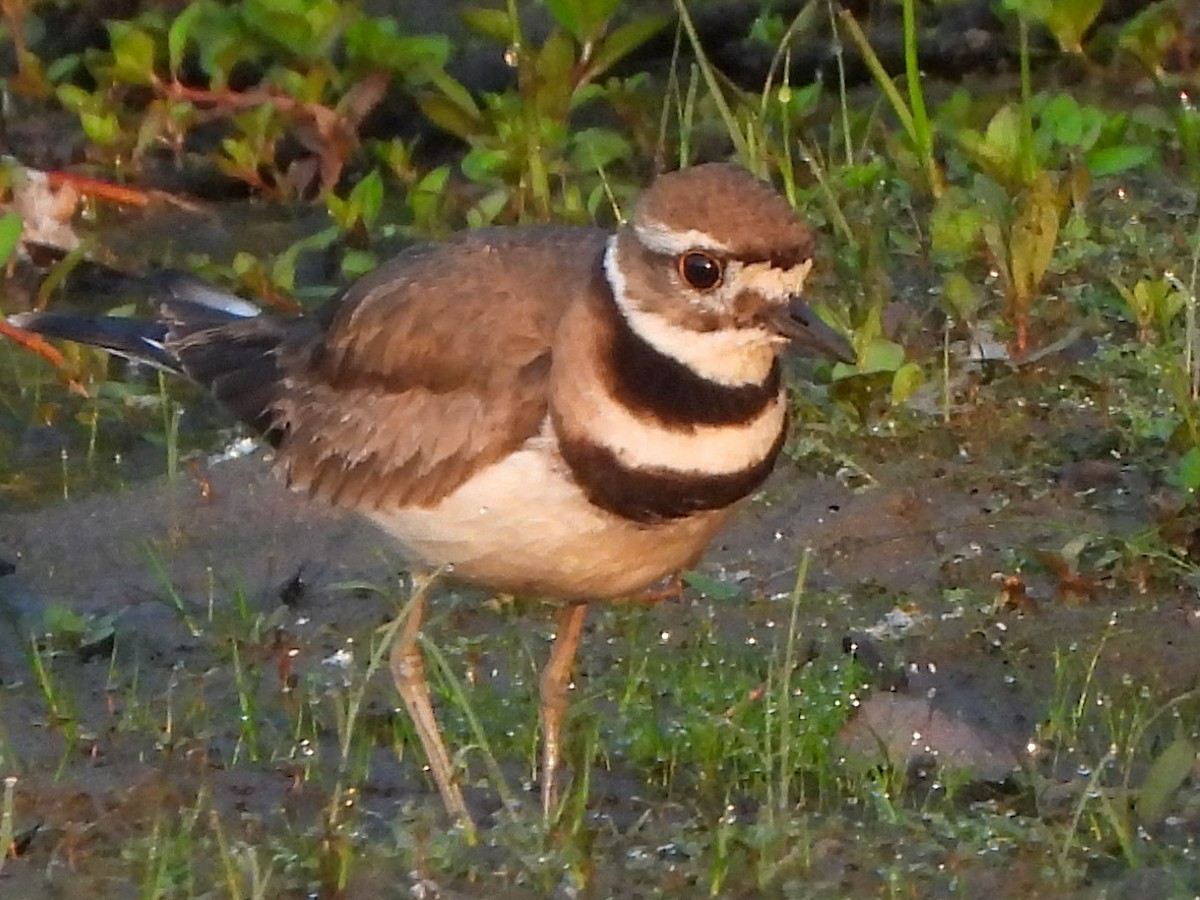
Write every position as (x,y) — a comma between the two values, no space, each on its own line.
(998,150)
(367,196)
(907,380)
(484,165)
(133,54)
(426,195)
(289,29)
(452,107)
(555,63)
(1111,160)
(10,233)
(178,33)
(956,223)
(1187,472)
(358,262)
(489,207)
(1002,139)
(595,15)
(1166,775)
(74,98)
(597,148)
(62,621)
(1034,236)
(621,43)
(449,116)
(102,129)
(491,23)
(711,587)
(376,44)
(880,355)
(961,296)
(567,14)
(1063,118)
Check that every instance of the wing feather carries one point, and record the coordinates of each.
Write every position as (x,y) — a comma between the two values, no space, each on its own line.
(431,368)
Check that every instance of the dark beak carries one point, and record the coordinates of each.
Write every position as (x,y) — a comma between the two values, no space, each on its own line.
(808,333)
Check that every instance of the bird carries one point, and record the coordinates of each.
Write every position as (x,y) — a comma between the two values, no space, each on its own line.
(560,412)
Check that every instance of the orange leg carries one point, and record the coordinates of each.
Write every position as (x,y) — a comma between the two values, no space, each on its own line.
(556,678)
(408,671)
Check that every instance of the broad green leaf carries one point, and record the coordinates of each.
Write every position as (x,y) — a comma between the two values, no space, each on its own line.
(1002,140)
(180,30)
(289,30)
(1111,160)
(73,97)
(487,209)
(961,296)
(443,112)
(555,64)
(1187,472)
(358,262)
(955,223)
(133,54)
(376,44)
(1069,20)
(102,129)
(595,15)
(367,195)
(598,148)
(425,196)
(491,23)
(881,355)
(1166,775)
(483,165)
(1034,236)
(907,380)
(711,587)
(1064,119)
(62,621)
(566,14)
(455,93)
(623,41)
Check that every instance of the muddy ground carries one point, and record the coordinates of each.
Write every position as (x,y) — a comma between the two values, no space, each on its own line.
(942,557)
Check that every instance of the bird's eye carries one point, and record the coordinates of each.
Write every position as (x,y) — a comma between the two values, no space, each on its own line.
(699,270)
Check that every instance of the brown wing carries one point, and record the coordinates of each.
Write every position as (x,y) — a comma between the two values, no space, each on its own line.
(428,369)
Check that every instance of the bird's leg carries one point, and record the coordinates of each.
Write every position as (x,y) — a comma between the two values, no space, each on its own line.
(408,671)
(556,678)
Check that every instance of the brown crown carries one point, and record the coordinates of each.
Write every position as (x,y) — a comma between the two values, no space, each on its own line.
(732,207)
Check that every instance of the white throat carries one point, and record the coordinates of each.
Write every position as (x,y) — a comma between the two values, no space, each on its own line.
(731,356)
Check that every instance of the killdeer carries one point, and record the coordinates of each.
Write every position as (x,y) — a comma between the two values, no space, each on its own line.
(560,412)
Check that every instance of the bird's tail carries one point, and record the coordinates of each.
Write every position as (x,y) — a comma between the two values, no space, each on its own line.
(132,338)
(212,337)
(186,305)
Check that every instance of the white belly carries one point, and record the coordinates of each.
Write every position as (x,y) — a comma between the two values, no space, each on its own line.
(523,527)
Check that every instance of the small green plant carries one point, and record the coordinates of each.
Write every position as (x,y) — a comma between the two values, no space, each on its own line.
(1035,160)
(315,67)
(1155,35)
(911,112)
(1154,303)
(69,631)
(523,149)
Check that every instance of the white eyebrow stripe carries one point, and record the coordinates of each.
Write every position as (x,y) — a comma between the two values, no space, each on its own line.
(661,239)
(770,281)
